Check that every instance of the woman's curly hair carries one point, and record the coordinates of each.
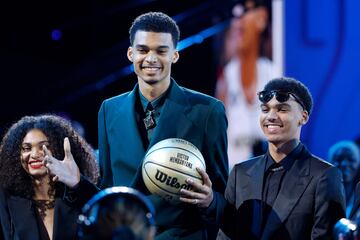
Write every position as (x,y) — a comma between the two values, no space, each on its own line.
(15,179)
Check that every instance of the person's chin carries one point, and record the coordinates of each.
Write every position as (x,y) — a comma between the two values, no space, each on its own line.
(272,137)
(152,81)
(275,140)
(39,173)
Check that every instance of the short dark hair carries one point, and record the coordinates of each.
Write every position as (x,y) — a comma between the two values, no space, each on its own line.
(155,22)
(291,85)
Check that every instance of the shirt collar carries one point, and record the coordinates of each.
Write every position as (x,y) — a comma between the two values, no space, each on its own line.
(286,162)
(145,102)
(156,103)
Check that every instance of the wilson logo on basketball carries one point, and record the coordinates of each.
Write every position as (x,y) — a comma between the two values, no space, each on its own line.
(171,181)
(168,164)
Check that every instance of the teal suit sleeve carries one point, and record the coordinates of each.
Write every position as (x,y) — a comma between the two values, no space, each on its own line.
(216,144)
(216,158)
(104,158)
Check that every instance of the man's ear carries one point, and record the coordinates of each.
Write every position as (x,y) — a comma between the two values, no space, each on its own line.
(130,54)
(175,57)
(304,118)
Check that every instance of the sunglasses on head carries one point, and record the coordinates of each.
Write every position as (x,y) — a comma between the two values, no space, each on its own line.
(266,96)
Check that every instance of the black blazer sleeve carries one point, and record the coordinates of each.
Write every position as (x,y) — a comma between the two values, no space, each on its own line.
(329,204)
(6,225)
(82,193)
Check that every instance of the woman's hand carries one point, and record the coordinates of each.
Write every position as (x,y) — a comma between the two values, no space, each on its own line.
(65,171)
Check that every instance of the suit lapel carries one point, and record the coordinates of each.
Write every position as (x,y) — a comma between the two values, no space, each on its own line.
(294,184)
(173,121)
(129,140)
(253,182)
(23,216)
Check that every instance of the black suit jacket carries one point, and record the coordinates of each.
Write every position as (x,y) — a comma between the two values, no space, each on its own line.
(186,114)
(309,203)
(19,222)
(356,206)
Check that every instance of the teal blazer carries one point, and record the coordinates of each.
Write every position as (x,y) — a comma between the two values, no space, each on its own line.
(186,114)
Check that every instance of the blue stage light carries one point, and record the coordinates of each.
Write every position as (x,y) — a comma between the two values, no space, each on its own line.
(56,35)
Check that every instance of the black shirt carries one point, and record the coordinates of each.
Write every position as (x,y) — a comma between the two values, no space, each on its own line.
(273,179)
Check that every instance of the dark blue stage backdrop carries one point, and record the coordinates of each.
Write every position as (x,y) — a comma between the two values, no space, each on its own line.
(322,49)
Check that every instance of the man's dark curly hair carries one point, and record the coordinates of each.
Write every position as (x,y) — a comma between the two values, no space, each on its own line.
(293,86)
(155,22)
(15,179)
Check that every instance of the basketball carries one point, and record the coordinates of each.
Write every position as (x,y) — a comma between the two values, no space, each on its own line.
(168,164)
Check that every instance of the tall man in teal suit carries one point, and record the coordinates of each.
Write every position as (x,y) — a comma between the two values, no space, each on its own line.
(156,109)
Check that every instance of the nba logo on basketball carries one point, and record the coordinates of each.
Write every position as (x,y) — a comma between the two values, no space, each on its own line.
(168,164)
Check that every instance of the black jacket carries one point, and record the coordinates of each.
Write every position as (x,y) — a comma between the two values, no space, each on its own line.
(19,222)
(310,201)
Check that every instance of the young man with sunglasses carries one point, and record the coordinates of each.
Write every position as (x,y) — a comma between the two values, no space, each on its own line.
(287,193)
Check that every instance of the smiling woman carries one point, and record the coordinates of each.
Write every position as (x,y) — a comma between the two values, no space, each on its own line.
(47,165)
(32,153)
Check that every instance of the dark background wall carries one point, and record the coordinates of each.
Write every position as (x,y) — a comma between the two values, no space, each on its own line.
(75,73)
(68,56)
